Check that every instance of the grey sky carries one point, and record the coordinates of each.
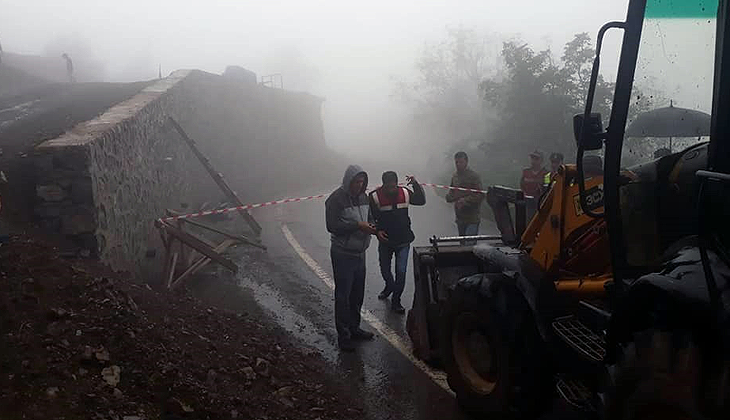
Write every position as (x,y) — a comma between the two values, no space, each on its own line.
(347,51)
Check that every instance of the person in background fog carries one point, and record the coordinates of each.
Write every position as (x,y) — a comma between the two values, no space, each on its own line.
(69,67)
(466,203)
(556,159)
(389,205)
(532,181)
(350,224)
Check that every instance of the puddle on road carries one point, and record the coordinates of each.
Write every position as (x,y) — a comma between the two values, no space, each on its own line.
(375,371)
(284,315)
(372,381)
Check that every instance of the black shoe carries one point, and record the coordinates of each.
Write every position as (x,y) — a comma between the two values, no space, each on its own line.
(398,308)
(360,334)
(346,344)
(384,294)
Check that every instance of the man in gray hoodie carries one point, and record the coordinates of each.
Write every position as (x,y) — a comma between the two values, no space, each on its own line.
(350,224)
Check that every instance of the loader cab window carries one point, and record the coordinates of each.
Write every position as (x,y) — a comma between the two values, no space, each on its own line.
(669,117)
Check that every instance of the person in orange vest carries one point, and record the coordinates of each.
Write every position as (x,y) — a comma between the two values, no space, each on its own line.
(389,205)
(532,181)
(533,176)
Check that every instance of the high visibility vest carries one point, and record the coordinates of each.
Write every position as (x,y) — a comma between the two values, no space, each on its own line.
(391,215)
(533,181)
(386,203)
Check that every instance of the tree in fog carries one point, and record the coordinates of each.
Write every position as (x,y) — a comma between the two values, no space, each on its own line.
(445,97)
(538,98)
(525,99)
(536,101)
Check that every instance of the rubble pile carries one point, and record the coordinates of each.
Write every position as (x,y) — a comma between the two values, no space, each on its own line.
(78,342)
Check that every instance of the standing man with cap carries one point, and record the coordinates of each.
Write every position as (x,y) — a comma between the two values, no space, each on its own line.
(556,159)
(532,181)
(389,204)
(466,203)
(350,224)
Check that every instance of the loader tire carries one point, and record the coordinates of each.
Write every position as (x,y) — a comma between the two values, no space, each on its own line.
(659,375)
(496,366)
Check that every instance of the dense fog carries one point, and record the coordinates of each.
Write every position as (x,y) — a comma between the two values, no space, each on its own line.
(403,82)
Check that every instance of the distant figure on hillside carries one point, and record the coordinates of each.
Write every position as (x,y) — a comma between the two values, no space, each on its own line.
(69,67)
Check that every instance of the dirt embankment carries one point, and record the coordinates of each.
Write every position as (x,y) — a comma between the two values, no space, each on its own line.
(77,342)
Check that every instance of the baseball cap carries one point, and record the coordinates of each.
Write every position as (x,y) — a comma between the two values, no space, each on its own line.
(556,156)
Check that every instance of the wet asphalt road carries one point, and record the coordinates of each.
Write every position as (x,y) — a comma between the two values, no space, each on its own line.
(299,298)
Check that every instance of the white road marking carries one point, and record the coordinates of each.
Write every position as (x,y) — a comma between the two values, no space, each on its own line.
(391,336)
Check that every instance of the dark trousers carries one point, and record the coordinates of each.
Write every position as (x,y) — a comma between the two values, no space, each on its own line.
(349,273)
(385,254)
(531,206)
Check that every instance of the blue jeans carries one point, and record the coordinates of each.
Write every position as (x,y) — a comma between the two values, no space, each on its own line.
(385,254)
(468,229)
(349,274)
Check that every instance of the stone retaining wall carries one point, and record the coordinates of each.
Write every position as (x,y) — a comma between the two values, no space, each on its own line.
(103,183)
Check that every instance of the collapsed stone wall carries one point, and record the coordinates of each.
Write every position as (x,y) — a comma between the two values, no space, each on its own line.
(103,183)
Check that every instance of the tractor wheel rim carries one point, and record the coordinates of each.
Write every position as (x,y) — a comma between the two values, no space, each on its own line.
(474,355)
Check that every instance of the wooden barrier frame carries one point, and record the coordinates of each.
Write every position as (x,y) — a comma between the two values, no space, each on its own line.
(188,264)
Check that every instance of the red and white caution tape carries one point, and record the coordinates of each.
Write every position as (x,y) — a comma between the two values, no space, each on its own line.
(453,188)
(289,200)
(238,208)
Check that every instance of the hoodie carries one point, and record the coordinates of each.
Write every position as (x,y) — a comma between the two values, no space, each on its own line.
(343,213)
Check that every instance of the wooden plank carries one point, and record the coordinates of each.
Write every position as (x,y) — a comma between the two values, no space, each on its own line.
(168,254)
(195,254)
(199,246)
(164,239)
(202,262)
(171,273)
(172,213)
(191,256)
(203,246)
(217,177)
(241,238)
(220,248)
(182,245)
